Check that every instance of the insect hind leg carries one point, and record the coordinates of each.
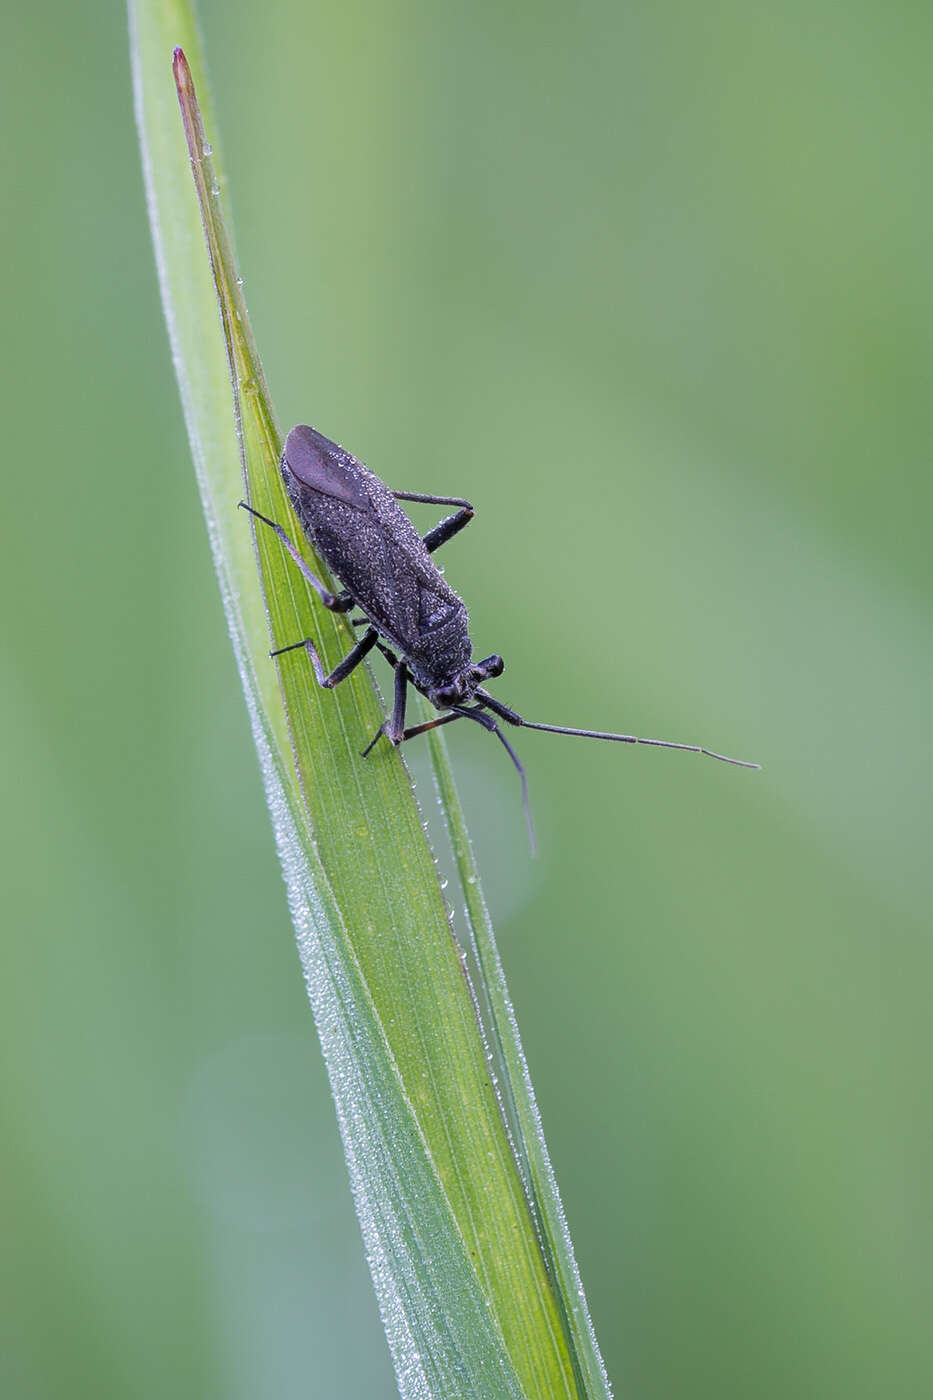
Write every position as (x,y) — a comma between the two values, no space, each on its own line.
(336,602)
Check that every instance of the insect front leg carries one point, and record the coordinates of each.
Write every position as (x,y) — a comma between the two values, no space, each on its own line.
(445,529)
(414,730)
(339,602)
(343,668)
(394,728)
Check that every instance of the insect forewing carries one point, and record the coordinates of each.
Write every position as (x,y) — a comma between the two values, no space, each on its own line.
(322,466)
(366,538)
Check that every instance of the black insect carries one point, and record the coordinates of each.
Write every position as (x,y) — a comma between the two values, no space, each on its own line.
(409,610)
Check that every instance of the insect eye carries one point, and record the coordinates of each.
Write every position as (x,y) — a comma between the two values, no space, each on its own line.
(450,694)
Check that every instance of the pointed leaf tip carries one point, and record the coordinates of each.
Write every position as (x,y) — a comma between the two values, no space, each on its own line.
(181,70)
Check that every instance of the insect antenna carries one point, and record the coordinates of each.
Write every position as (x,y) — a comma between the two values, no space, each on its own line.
(632,739)
(490,702)
(489,723)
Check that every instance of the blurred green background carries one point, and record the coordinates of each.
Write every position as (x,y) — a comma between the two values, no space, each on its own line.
(651,285)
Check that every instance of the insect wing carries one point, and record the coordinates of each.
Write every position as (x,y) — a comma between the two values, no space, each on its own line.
(362,533)
(322,466)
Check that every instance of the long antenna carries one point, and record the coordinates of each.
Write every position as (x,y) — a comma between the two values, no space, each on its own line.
(503,711)
(485,701)
(632,739)
(489,723)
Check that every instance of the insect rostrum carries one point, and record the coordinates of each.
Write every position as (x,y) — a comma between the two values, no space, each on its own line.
(409,610)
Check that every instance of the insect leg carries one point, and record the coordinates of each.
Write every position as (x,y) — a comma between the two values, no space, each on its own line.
(388,654)
(343,668)
(445,529)
(396,727)
(417,729)
(393,729)
(340,602)
(432,500)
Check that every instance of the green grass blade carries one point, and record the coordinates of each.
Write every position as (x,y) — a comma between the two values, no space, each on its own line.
(469,1298)
(516,1093)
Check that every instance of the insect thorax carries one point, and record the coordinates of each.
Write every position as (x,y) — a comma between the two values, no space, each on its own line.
(442,653)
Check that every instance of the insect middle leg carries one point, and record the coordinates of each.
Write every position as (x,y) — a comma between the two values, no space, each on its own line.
(445,529)
(343,668)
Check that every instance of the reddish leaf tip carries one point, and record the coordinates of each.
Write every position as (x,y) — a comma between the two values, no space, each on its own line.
(181,70)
